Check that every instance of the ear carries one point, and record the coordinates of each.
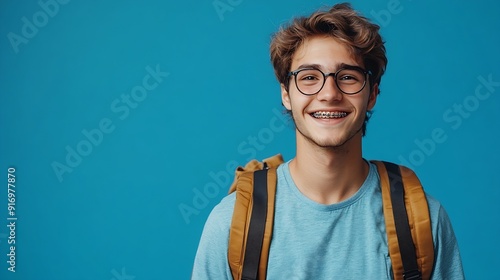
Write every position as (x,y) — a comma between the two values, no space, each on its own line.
(285,98)
(372,99)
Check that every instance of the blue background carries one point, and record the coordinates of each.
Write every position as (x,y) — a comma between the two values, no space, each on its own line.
(117,214)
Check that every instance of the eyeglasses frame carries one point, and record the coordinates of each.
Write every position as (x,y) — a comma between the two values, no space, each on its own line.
(325,76)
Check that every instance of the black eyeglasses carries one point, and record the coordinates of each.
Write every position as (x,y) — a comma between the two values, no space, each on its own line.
(350,80)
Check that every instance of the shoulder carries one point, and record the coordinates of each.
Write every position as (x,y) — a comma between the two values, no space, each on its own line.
(434,204)
(211,257)
(221,215)
(216,230)
(440,221)
(447,263)
(436,210)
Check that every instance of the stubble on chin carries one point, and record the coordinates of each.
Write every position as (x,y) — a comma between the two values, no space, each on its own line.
(334,145)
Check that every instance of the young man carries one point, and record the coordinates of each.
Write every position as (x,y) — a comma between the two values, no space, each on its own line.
(329,221)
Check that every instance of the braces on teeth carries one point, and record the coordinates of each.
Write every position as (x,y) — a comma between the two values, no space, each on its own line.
(326,115)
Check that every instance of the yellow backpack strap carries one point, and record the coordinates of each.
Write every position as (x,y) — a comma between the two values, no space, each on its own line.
(399,181)
(255,185)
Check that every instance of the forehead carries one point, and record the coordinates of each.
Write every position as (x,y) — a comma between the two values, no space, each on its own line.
(325,51)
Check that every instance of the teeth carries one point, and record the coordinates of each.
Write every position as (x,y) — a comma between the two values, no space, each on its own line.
(329,115)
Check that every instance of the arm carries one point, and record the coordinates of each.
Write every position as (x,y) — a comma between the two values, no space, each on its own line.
(447,263)
(211,261)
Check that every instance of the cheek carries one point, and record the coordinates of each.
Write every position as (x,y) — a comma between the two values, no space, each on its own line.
(298,101)
(360,103)
(364,100)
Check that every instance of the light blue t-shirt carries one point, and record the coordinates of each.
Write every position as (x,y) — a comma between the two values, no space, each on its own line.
(345,240)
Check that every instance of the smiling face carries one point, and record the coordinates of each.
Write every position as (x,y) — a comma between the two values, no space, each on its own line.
(329,118)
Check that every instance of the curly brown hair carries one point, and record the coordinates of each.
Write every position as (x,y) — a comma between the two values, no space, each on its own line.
(341,22)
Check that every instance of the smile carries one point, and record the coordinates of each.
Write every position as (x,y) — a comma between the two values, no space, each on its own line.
(329,115)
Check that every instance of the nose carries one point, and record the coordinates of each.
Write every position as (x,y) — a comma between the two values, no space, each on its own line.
(330,90)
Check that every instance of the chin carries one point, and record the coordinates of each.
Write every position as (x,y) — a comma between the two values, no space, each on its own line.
(328,142)
(332,145)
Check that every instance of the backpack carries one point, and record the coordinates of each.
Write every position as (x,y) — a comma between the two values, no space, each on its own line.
(405,210)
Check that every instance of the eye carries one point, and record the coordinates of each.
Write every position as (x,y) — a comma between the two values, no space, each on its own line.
(309,75)
(309,78)
(348,77)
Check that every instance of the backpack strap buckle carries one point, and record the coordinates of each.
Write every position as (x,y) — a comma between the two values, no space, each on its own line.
(412,275)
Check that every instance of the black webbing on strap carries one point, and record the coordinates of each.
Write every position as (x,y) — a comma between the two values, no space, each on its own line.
(257,226)
(406,246)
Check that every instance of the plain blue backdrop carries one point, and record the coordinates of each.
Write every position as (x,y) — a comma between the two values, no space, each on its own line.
(124,121)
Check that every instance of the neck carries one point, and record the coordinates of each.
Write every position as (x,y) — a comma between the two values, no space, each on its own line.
(329,175)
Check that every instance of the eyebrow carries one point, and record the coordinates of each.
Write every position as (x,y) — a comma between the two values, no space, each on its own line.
(317,66)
